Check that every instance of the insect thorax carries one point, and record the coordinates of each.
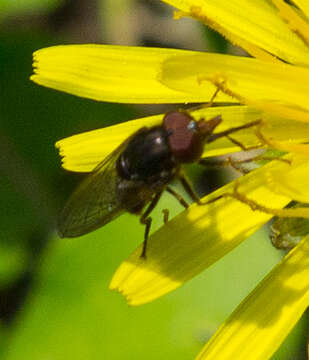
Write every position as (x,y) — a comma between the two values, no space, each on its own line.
(148,158)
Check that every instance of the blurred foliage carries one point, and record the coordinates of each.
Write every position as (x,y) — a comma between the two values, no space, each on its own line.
(16,7)
(54,297)
(72,314)
(32,185)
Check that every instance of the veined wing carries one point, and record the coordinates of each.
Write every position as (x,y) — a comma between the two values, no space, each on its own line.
(94,203)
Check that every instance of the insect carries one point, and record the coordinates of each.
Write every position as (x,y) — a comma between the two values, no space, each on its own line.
(134,176)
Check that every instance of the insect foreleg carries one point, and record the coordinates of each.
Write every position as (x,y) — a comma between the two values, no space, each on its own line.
(242,146)
(232,130)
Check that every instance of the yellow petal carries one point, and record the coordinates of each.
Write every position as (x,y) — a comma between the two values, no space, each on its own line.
(302,149)
(109,73)
(303,5)
(83,152)
(262,321)
(285,111)
(293,182)
(284,146)
(293,20)
(194,240)
(264,29)
(253,79)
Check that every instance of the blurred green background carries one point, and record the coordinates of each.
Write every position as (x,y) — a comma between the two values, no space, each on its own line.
(54,297)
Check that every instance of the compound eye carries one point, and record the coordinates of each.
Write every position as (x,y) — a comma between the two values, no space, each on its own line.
(185,141)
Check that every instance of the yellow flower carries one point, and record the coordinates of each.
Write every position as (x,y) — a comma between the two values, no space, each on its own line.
(274,86)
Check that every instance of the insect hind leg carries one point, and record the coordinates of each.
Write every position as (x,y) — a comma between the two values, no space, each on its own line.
(181,200)
(147,223)
(146,220)
(189,189)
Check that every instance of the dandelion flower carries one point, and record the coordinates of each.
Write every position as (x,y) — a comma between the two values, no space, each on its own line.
(272,85)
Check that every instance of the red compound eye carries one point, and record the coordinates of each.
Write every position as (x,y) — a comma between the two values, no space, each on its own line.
(185,139)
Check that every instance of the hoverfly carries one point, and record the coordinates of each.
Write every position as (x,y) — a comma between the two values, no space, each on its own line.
(134,176)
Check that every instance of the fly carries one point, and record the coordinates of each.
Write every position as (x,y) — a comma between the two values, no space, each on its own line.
(134,176)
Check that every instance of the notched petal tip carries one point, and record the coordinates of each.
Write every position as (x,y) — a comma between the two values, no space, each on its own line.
(33,77)
(108,73)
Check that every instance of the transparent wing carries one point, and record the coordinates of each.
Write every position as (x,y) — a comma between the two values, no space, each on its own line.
(94,203)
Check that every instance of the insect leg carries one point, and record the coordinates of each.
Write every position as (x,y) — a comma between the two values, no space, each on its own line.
(146,220)
(186,184)
(189,189)
(178,197)
(228,161)
(166,214)
(236,164)
(147,223)
(232,130)
(242,146)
